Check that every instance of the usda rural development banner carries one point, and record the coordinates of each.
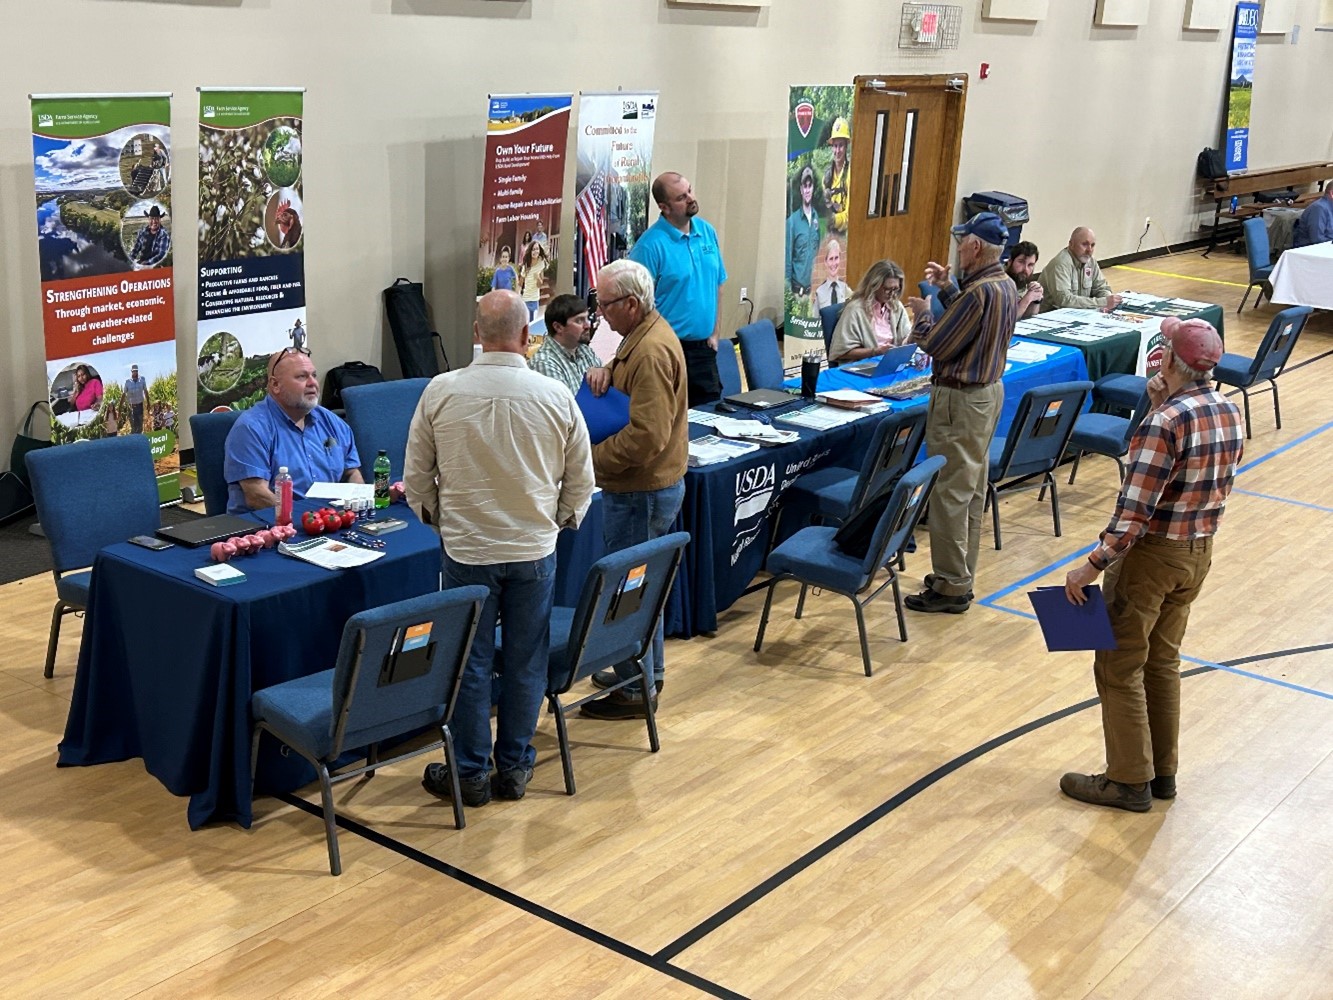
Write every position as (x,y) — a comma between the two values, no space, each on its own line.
(819,171)
(1244,36)
(102,165)
(521,195)
(615,159)
(251,241)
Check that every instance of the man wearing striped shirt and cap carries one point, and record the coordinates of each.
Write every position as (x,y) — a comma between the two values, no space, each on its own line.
(1156,553)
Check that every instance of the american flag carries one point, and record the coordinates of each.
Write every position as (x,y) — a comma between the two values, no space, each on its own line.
(590,208)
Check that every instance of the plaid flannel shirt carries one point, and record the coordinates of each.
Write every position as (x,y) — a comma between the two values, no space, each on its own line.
(553,361)
(1182,461)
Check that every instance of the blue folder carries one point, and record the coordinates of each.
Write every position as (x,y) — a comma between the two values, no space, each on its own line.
(1067,626)
(605,415)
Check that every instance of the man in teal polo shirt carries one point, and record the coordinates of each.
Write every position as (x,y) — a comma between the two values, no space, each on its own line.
(680,251)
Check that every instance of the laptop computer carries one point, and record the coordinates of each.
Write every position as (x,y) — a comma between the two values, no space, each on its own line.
(207,530)
(886,364)
(762,399)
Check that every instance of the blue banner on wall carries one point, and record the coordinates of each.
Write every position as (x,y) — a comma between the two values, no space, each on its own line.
(1240,85)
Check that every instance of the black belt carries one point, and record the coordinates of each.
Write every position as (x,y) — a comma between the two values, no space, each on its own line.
(953,383)
(694,343)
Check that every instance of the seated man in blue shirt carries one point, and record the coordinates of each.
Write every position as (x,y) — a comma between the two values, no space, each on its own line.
(1316,223)
(287,427)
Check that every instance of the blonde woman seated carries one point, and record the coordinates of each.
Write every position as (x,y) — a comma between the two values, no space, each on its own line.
(874,318)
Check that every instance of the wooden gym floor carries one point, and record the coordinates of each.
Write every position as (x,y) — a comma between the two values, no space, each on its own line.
(804,832)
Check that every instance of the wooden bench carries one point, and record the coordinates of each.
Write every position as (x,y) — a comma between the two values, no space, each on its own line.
(1251,182)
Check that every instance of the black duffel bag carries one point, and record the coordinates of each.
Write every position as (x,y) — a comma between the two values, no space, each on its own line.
(345,375)
(1210,165)
(15,486)
(413,332)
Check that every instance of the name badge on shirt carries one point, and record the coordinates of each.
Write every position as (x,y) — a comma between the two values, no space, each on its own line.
(1087,271)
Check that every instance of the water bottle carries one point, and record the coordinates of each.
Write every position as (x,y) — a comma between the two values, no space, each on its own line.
(1235,204)
(282,486)
(382,471)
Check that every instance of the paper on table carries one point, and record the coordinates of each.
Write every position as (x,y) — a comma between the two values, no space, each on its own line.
(341,491)
(754,430)
(329,553)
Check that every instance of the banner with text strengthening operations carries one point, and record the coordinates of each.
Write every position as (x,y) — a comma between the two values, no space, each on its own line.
(520,247)
(102,169)
(251,299)
(1240,85)
(819,172)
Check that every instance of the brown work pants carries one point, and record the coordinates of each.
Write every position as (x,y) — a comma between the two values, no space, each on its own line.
(1148,594)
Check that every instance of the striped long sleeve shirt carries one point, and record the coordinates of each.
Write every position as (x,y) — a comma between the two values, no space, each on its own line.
(971,340)
(1182,461)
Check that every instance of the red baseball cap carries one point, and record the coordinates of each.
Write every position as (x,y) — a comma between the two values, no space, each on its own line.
(1193,341)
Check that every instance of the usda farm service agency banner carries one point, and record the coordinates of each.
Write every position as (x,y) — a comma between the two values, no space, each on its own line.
(102,167)
(1240,86)
(251,299)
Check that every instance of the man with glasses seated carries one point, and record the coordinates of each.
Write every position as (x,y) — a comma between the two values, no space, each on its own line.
(288,428)
(874,320)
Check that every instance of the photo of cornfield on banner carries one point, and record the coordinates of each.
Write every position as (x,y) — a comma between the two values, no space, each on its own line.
(615,154)
(102,171)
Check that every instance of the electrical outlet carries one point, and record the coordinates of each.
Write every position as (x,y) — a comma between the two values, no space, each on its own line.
(745,293)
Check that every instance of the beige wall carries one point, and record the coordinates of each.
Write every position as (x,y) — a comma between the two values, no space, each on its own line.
(1095,126)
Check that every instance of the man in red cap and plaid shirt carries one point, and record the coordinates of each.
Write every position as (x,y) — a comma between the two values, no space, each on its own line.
(1156,553)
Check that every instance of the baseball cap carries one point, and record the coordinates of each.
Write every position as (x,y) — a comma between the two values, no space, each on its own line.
(1193,341)
(985,226)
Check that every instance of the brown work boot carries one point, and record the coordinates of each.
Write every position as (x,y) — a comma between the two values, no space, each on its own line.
(1099,790)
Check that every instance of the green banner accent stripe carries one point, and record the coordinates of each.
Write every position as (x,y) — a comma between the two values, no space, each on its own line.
(243,108)
(83,117)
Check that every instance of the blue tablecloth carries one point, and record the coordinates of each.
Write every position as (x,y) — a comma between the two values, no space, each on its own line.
(168,663)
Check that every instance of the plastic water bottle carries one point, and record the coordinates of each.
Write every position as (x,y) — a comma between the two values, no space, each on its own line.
(282,486)
(382,472)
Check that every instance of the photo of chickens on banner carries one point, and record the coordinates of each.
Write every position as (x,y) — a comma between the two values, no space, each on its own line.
(251,241)
(102,167)
(521,195)
(819,171)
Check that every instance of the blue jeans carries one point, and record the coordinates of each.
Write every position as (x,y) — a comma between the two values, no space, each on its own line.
(520,596)
(629,519)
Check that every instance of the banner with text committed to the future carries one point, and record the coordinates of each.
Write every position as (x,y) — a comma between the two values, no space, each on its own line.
(819,172)
(1240,86)
(251,241)
(521,194)
(102,165)
(615,159)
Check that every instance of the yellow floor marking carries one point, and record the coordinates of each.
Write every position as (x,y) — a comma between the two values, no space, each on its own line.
(1182,277)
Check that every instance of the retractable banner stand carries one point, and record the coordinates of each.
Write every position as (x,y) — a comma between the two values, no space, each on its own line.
(1240,85)
(615,159)
(819,172)
(251,241)
(102,166)
(521,195)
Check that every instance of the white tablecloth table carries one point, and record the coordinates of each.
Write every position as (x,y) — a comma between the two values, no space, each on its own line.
(1304,277)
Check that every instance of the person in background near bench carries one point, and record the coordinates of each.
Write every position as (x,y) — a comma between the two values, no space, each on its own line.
(969,345)
(1022,264)
(1072,279)
(1316,223)
(287,427)
(565,355)
(874,320)
(1156,552)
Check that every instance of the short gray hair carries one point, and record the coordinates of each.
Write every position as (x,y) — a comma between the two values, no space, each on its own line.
(626,277)
(1185,371)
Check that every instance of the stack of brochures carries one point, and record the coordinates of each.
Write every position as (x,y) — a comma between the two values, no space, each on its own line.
(852,399)
(331,553)
(711,449)
(753,430)
(818,417)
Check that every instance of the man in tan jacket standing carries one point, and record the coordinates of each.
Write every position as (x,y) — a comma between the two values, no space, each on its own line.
(641,468)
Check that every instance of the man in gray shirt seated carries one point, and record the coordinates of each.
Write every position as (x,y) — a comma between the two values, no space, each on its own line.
(1072,279)
(565,354)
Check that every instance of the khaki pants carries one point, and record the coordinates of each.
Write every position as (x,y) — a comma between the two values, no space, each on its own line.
(959,426)
(1148,594)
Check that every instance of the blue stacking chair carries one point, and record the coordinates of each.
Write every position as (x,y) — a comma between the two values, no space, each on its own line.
(120,472)
(811,556)
(828,319)
(1105,434)
(831,494)
(1028,454)
(380,687)
(932,295)
(596,633)
(1120,391)
(760,355)
(1274,351)
(728,368)
(379,415)
(210,432)
(1260,258)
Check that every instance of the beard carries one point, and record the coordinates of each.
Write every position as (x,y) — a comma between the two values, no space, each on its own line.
(1020,280)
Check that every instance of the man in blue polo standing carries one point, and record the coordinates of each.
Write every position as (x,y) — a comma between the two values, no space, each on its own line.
(681,252)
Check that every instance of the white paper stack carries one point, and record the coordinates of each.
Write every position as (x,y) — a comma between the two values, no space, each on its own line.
(329,553)
(711,449)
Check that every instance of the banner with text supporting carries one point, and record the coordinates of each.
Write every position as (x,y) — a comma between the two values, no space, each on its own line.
(102,166)
(1240,85)
(251,241)
(615,159)
(819,172)
(521,196)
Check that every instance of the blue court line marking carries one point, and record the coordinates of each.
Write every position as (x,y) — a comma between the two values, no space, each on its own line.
(1298,503)
(1289,445)
(1259,677)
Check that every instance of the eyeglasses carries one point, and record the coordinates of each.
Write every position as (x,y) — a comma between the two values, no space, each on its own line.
(893,292)
(277,357)
(610,302)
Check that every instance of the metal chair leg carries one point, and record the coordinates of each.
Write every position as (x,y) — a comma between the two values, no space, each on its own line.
(1245,395)
(254,760)
(1055,502)
(993,499)
(330,822)
(763,619)
(1078,457)
(452,764)
(1121,466)
(861,631)
(562,737)
(898,609)
(372,758)
(649,686)
(53,640)
(1277,411)
(800,602)
(1243,298)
